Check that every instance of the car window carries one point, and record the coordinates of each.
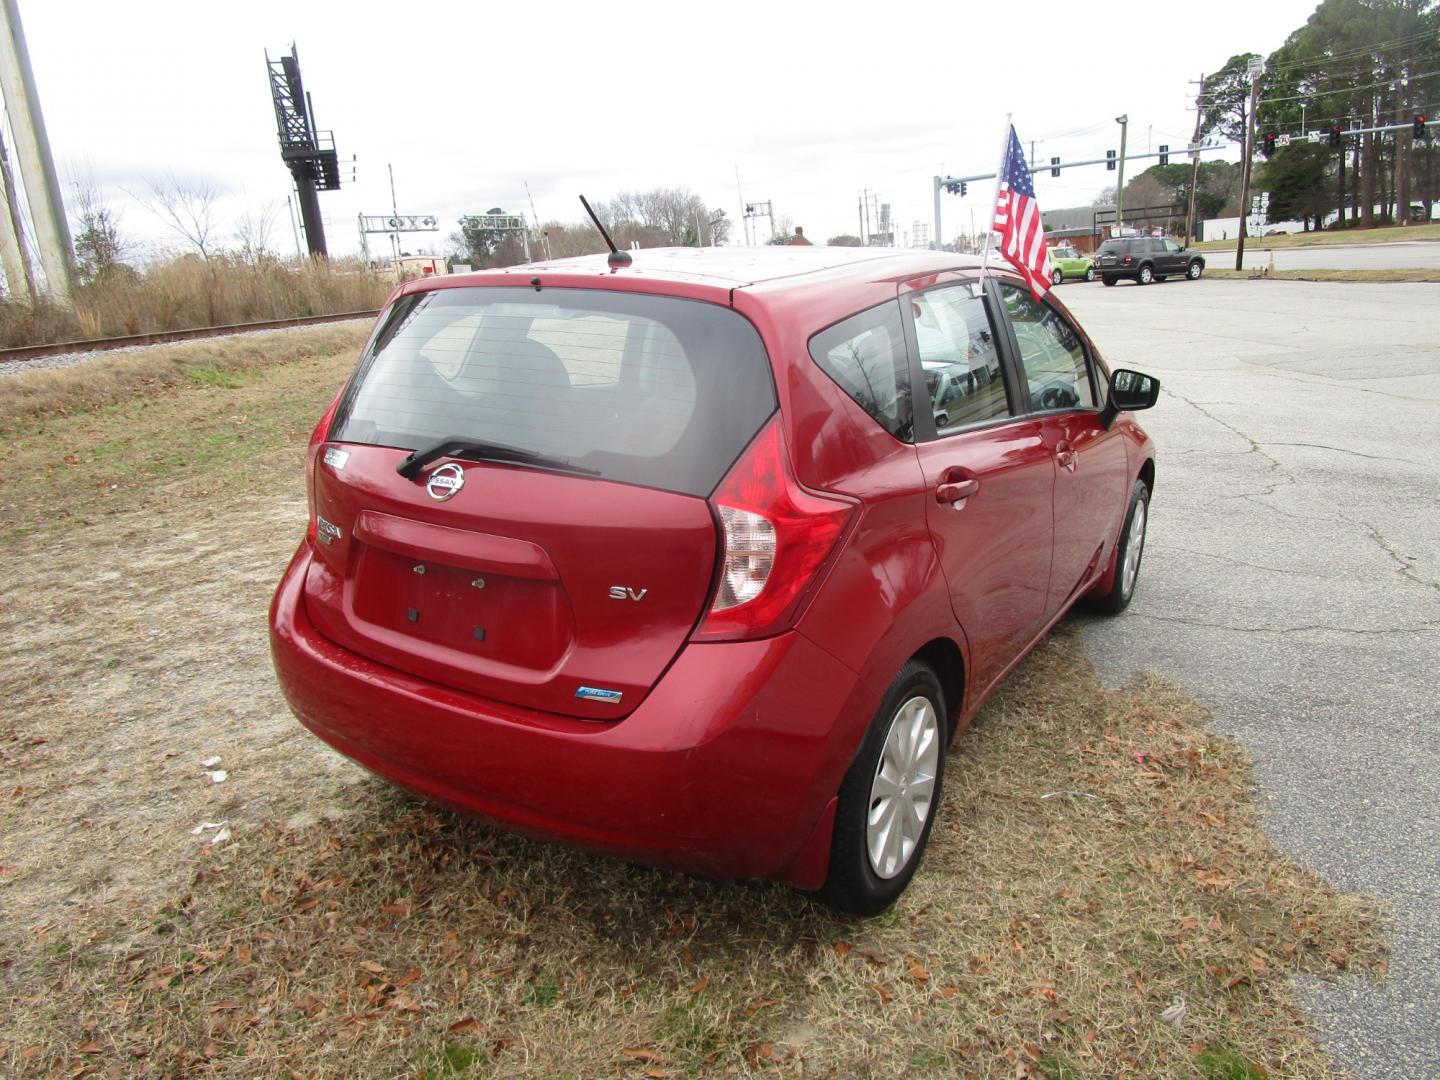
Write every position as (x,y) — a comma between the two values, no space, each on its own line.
(639,389)
(963,377)
(1056,371)
(865,355)
(1171,247)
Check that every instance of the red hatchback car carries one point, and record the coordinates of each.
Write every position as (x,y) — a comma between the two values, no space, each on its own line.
(703,561)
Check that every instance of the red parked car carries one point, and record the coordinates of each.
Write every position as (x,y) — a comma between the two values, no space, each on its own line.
(703,561)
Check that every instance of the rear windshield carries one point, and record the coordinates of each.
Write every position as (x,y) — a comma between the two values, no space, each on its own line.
(642,389)
(1112,247)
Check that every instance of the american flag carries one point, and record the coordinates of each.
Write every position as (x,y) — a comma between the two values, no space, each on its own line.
(1017,220)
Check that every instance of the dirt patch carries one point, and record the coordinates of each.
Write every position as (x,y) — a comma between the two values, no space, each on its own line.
(1098,899)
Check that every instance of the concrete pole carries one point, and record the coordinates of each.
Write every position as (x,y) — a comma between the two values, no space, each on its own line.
(37,169)
(935,244)
(1247,152)
(1124,122)
(18,278)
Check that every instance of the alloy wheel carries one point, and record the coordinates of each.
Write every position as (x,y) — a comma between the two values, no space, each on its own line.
(903,791)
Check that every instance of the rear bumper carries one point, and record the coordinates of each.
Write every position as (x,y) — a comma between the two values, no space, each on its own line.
(729,767)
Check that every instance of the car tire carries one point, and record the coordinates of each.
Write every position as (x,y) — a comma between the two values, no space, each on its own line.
(1089,273)
(1110,279)
(1132,541)
(1195,269)
(1145,275)
(1056,277)
(902,754)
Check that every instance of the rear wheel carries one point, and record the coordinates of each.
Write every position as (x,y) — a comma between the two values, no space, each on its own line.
(1110,279)
(889,797)
(1194,270)
(1146,275)
(1127,554)
(1056,276)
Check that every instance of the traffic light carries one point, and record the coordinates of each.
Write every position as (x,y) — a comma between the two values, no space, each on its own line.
(1054,166)
(1420,127)
(1110,160)
(962,187)
(955,187)
(1164,154)
(1336,136)
(1267,144)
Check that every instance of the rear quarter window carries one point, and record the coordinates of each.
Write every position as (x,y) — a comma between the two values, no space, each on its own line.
(649,390)
(865,356)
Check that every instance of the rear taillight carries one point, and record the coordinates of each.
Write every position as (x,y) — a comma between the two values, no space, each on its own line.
(317,439)
(774,537)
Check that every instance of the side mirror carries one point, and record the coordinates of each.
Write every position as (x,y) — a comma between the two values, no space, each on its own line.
(1130,391)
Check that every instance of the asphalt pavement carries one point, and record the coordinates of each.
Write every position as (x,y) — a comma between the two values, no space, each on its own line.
(1404,255)
(1291,582)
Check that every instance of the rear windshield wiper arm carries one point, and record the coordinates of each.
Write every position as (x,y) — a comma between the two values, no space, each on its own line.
(479,450)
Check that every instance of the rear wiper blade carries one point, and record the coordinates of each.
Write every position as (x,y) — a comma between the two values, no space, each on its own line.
(479,450)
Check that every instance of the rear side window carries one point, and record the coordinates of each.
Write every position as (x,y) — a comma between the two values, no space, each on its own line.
(865,355)
(643,389)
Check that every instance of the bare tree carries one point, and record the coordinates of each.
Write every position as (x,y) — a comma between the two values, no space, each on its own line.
(253,230)
(100,248)
(188,209)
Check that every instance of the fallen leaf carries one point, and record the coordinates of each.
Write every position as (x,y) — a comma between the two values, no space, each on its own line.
(656,1072)
(464,1027)
(916,969)
(763,1003)
(408,978)
(399,907)
(701,985)
(842,949)
(90,1047)
(640,1053)
(876,958)
(372,967)
(884,995)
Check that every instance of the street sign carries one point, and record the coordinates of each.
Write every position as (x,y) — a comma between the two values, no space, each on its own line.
(1317,136)
(1282,140)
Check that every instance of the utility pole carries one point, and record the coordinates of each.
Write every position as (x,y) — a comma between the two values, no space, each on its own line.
(19,278)
(1247,151)
(32,147)
(1124,122)
(1194,166)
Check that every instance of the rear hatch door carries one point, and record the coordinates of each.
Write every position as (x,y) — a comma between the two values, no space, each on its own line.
(558,557)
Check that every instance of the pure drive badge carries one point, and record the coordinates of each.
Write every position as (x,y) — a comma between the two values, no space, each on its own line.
(445,482)
(594,693)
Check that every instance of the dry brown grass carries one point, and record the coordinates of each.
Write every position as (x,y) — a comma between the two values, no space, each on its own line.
(221,362)
(1097,854)
(1384,234)
(188,292)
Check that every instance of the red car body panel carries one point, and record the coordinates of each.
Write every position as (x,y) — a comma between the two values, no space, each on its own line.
(725,757)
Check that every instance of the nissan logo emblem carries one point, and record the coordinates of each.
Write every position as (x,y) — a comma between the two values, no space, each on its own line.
(445,481)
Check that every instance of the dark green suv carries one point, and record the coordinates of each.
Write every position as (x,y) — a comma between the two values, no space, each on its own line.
(1144,259)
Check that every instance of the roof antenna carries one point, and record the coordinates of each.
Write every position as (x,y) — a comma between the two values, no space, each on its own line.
(617,258)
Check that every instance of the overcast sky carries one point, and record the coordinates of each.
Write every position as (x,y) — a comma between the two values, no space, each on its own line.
(813,103)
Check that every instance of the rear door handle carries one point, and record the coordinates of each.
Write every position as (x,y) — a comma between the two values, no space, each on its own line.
(957,491)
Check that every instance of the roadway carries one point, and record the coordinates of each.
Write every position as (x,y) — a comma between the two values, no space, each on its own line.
(1291,582)
(1404,255)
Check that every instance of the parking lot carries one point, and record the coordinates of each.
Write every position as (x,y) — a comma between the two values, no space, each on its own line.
(1292,582)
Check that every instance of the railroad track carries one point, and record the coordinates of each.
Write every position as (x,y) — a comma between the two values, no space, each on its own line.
(66,348)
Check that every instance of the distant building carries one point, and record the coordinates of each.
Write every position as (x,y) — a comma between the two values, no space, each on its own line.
(799,237)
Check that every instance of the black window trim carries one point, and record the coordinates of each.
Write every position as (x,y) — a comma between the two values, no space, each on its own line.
(925,429)
(1092,371)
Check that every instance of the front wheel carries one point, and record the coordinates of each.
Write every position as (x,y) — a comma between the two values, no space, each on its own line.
(889,797)
(1193,273)
(1089,273)
(1110,279)
(1056,277)
(1127,554)
(1146,276)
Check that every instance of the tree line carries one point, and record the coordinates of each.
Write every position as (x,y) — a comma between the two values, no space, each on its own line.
(1354,64)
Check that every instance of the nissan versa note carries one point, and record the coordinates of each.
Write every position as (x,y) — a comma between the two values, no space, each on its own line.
(703,561)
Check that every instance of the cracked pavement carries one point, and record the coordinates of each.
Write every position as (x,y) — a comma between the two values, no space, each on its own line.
(1291,582)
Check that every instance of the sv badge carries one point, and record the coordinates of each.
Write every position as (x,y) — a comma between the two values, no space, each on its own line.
(622,592)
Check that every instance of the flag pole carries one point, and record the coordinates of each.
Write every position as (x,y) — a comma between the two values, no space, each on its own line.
(1000,171)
